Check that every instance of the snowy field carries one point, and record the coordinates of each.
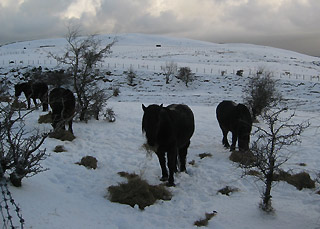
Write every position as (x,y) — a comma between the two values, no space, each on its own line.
(72,196)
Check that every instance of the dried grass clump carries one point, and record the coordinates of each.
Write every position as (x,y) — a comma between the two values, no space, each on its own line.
(137,192)
(204,222)
(45,118)
(203,155)
(62,135)
(59,149)
(300,180)
(244,158)
(228,190)
(89,162)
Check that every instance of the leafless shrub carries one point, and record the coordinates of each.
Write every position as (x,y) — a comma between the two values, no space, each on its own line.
(110,115)
(20,152)
(82,56)
(185,75)
(261,93)
(116,92)
(131,75)
(270,148)
(169,70)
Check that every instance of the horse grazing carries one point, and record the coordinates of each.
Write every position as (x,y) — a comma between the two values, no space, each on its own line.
(62,103)
(237,119)
(33,91)
(168,129)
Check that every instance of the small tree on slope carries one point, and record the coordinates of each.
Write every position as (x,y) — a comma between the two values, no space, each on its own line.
(20,152)
(83,55)
(261,93)
(270,149)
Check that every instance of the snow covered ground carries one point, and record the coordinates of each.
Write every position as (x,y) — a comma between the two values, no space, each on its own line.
(72,196)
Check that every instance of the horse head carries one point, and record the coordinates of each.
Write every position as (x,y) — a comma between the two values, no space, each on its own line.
(18,90)
(151,123)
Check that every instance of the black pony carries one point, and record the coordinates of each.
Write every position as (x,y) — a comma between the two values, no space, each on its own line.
(168,129)
(237,119)
(33,91)
(62,103)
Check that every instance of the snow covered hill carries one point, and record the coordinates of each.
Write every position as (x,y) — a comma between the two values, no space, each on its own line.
(71,196)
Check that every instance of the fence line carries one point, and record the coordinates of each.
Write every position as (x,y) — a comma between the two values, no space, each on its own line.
(137,65)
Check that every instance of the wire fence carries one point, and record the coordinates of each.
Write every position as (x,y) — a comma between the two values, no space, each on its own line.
(156,66)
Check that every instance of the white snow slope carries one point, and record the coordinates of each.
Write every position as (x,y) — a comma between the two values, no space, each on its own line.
(72,196)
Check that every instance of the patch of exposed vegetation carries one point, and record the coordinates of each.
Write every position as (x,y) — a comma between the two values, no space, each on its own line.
(59,149)
(228,190)
(88,162)
(203,155)
(62,135)
(300,180)
(204,222)
(243,158)
(137,192)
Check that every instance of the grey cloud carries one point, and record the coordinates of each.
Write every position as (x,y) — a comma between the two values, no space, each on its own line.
(292,26)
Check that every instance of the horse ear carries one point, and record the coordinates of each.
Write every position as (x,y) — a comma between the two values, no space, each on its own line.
(143,107)
(161,105)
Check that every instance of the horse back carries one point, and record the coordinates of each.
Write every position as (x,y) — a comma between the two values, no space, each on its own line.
(230,115)
(226,112)
(23,87)
(39,90)
(182,121)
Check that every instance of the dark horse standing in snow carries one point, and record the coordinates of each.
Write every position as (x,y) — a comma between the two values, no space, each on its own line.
(169,129)
(33,91)
(237,119)
(62,103)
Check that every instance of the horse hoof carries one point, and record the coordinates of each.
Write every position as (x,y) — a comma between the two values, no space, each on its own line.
(163,178)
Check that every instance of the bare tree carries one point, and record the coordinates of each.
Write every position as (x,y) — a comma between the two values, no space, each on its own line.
(270,148)
(20,152)
(261,93)
(185,74)
(82,55)
(131,75)
(169,70)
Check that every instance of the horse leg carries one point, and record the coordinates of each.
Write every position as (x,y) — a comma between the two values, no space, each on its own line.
(182,157)
(225,138)
(172,164)
(29,103)
(44,102)
(70,126)
(162,161)
(35,102)
(234,140)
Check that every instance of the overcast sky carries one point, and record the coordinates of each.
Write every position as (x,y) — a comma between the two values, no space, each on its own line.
(288,24)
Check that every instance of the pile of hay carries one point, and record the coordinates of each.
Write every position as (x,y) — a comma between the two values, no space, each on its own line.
(137,192)
(59,149)
(300,180)
(228,190)
(203,155)
(244,158)
(204,222)
(62,135)
(89,162)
